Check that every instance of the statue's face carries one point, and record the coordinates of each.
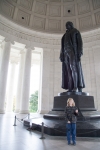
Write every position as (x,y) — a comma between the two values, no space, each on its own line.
(68,26)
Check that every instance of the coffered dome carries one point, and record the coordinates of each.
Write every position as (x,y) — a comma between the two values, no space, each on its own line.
(51,15)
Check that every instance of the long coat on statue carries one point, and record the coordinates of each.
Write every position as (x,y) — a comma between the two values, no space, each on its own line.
(71,44)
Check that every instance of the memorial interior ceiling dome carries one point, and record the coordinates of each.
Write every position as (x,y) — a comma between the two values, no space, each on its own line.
(51,15)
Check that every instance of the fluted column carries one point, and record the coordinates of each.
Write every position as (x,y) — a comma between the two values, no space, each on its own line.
(20,79)
(9,106)
(1,51)
(44,104)
(3,74)
(24,108)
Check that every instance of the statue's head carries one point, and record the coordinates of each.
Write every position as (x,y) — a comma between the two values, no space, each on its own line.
(69,25)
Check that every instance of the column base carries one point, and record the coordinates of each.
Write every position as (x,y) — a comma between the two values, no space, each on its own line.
(24,112)
(2,111)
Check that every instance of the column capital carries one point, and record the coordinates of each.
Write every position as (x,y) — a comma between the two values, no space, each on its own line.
(28,47)
(9,41)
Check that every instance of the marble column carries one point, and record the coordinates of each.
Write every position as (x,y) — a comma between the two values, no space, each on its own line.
(40,84)
(24,108)
(1,51)
(20,81)
(45,90)
(51,79)
(9,106)
(3,74)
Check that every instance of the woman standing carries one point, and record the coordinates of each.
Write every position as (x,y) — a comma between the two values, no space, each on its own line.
(71,113)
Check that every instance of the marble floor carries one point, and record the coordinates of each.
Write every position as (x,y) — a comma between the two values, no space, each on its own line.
(19,138)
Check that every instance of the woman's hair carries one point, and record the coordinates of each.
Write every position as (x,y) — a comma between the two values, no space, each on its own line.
(68,101)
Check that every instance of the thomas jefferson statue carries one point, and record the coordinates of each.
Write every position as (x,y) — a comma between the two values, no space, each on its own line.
(70,56)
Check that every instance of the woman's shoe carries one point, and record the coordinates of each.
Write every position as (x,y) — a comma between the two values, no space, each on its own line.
(74,143)
(68,143)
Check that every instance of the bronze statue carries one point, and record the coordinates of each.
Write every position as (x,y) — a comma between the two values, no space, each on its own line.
(70,56)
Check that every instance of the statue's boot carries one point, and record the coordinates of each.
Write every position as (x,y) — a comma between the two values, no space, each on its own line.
(75,90)
(79,89)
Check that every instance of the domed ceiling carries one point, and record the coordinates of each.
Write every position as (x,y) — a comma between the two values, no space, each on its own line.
(51,15)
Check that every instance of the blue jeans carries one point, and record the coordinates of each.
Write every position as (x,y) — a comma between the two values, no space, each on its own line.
(71,131)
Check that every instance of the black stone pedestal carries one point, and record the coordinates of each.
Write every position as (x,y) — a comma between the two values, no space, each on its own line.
(88,124)
(88,116)
(83,102)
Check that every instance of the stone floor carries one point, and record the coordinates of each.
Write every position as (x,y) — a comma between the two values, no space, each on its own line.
(19,138)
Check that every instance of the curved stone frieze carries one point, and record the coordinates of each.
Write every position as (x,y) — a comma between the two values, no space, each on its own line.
(50,15)
(26,36)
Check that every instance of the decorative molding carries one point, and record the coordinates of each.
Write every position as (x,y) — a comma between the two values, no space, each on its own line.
(55,10)
(78,1)
(96,4)
(44,1)
(45,40)
(23,17)
(18,33)
(85,22)
(68,0)
(37,14)
(7,9)
(26,4)
(12,1)
(40,8)
(97,17)
(33,38)
(83,7)
(38,23)
(55,1)
(54,25)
